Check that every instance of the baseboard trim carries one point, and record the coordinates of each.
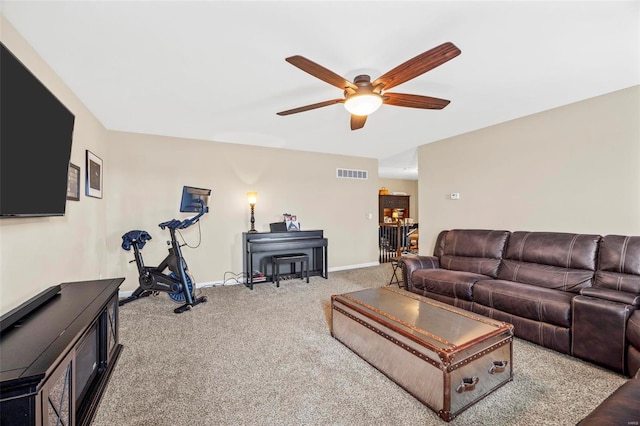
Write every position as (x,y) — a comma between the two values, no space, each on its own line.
(358,266)
(127,293)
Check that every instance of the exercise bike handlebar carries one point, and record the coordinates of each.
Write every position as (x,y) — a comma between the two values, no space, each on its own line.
(182,224)
(140,238)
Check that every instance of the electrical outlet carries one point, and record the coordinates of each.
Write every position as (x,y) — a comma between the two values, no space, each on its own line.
(455,196)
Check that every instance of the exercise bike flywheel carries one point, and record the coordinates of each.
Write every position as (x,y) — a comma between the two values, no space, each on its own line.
(179,296)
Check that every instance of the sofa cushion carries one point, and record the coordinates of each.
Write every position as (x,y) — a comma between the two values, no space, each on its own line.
(535,303)
(548,335)
(456,284)
(619,282)
(576,251)
(475,243)
(619,264)
(619,253)
(554,260)
(472,250)
(547,276)
(476,265)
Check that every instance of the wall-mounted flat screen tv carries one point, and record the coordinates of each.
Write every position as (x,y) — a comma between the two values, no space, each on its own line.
(36,131)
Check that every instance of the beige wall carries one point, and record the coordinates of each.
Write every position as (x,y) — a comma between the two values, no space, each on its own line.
(36,253)
(571,169)
(143,179)
(145,182)
(409,187)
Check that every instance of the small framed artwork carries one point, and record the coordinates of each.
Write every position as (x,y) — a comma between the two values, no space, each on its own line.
(93,174)
(291,222)
(73,183)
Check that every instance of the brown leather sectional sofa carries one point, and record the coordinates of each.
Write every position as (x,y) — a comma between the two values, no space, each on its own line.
(578,294)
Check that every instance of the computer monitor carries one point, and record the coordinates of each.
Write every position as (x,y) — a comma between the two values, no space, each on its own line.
(190,199)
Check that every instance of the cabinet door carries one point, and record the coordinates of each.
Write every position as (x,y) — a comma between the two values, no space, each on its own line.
(112,328)
(389,203)
(58,403)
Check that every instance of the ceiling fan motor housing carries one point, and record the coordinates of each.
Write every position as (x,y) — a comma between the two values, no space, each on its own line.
(362,80)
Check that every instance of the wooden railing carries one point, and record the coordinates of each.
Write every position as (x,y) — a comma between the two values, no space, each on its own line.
(393,240)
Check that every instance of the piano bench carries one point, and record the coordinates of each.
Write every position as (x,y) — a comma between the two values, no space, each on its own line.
(292,259)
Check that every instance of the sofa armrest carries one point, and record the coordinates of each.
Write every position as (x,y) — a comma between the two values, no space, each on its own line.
(612,295)
(622,407)
(410,263)
(598,330)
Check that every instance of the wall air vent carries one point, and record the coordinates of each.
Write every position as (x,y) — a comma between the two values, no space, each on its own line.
(352,174)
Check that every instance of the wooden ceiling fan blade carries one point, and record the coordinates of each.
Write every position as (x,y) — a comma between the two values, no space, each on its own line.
(418,65)
(357,121)
(310,107)
(320,72)
(414,101)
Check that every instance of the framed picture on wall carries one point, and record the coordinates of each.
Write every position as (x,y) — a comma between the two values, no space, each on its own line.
(93,176)
(73,183)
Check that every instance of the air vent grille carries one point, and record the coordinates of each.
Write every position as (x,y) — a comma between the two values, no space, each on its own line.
(352,174)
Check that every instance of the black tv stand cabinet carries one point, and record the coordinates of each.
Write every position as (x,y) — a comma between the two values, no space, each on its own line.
(58,355)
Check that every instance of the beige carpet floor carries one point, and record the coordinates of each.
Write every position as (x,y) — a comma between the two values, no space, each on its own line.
(266,357)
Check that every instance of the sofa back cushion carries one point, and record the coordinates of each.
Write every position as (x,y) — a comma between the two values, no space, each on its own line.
(619,264)
(556,260)
(438,250)
(472,250)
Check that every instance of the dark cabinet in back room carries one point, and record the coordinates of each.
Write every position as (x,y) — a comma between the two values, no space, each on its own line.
(388,204)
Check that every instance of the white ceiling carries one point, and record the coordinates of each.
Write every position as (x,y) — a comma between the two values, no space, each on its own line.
(215,70)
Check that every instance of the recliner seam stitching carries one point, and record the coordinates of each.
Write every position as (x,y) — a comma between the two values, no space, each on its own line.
(570,253)
(623,255)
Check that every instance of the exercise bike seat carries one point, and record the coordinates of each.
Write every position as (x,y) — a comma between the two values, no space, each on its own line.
(139,238)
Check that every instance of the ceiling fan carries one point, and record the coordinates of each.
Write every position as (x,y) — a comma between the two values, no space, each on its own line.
(362,97)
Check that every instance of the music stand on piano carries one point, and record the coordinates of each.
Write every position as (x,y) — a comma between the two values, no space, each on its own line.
(278,227)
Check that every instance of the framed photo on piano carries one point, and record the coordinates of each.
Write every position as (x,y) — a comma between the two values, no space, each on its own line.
(292,222)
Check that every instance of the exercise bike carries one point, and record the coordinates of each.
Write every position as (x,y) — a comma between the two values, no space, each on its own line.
(178,283)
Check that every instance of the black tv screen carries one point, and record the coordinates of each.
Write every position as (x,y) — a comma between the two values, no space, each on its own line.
(191,197)
(36,131)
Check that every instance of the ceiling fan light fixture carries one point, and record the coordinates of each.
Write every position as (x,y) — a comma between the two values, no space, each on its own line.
(363,104)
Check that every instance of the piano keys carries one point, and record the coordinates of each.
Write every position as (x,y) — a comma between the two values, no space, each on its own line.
(259,247)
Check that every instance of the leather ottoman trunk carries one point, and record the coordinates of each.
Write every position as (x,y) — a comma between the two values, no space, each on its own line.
(446,357)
